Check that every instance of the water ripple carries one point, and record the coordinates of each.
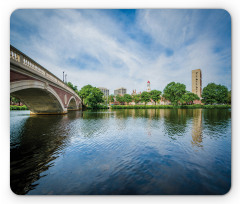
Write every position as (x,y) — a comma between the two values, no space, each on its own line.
(122,152)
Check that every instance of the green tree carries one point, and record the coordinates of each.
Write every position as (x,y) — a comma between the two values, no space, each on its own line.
(137,98)
(120,99)
(155,95)
(94,98)
(189,97)
(15,100)
(214,93)
(145,97)
(73,87)
(84,92)
(127,98)
(229,97)
(174,92)
(111,98)
(105,99)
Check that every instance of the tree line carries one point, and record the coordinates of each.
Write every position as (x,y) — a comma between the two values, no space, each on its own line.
(175,93)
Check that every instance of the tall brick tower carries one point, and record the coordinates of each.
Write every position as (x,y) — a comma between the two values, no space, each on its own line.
(197,82)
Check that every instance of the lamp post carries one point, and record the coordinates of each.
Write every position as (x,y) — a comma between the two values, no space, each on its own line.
(63,76)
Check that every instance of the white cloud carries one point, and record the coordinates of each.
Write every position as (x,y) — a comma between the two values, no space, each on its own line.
(63,40)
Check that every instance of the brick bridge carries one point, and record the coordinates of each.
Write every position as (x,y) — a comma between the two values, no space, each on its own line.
(39,89)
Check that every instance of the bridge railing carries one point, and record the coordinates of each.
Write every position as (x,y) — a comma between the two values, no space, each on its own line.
(30,64)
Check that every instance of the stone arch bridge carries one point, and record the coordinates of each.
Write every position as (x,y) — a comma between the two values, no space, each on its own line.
(39,89)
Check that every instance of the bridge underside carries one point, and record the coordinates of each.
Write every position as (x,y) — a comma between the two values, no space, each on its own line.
(72,105)
(39,101)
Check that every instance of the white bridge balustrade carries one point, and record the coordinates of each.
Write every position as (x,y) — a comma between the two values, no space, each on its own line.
(32,65)
(14,55)
(21,63)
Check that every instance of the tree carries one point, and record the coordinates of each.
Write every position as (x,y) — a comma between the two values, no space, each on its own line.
(84,92)
(94,98)
(222,94)
(91,96)
(229,97)
(214,93)
(127,98)
(189,97)
(111,98)
(155,95)
(145,97)
(120,99)
(15,100)
(73,87)
(105,99)
(174,92)
(137,98)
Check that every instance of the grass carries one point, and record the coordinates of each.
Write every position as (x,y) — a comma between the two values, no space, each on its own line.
(195,106)
(14,107)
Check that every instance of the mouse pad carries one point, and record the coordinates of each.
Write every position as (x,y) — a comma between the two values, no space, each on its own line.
(120,102)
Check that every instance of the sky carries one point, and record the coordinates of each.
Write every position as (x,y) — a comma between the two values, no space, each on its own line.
(126,48)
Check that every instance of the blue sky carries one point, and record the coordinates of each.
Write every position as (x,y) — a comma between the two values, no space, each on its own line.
(126,48)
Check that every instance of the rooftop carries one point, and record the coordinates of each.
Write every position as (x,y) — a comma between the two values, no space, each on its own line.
(120,88)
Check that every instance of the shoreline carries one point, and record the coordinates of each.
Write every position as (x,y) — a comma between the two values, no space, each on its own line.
(115,107)
(197,106)
(15,107)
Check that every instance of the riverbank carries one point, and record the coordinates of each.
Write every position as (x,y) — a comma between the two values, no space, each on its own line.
(196,106)
(14,107)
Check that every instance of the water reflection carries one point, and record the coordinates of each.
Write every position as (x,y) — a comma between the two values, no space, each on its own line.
(215,120)
(179,118)
(149,151)
(41,138)
(94,123)
(197,128)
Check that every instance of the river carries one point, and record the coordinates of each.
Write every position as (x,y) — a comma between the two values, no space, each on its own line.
(147,151)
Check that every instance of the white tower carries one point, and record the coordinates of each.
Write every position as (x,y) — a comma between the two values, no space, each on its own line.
(148,86)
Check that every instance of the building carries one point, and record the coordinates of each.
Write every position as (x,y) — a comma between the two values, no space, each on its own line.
(197,82)
(134,92)
(105,91)
(148,86)
(121,91)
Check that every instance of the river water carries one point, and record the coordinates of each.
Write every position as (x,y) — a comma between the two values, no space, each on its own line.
(163,151)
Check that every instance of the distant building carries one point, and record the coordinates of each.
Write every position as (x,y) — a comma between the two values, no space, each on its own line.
(121,91)
(134,92)
(148,86)
(197,82)
(105,91)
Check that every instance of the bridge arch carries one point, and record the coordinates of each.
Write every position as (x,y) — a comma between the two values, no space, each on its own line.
(72,104)
(38,96)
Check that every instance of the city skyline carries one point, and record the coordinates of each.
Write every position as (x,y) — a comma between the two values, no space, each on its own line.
(115,48)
